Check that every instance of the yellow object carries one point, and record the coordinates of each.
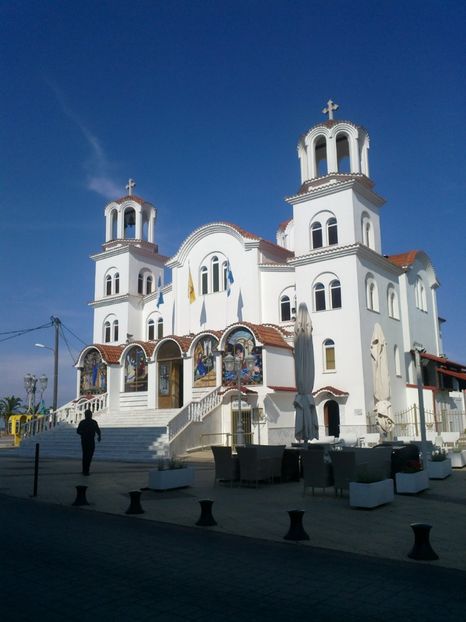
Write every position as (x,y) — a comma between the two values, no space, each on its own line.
(14,426)
(191,292)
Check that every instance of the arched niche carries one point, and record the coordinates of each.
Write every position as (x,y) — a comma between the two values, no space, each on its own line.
(169,375)
(93,380)
(240,343)
(135,370)
(204,373)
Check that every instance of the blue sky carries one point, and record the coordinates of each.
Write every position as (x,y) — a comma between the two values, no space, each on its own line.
(202,103)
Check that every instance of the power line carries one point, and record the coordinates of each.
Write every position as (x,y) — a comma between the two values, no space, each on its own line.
(75,336)
(67,345)
(17,333)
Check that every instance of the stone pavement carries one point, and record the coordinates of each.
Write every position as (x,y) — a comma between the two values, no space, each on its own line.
(261,512)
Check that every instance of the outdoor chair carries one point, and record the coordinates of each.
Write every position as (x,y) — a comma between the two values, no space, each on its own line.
(317,473)
(252,466)
(226,465)
(344,469)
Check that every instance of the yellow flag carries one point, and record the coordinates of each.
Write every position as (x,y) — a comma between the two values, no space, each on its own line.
(191,292)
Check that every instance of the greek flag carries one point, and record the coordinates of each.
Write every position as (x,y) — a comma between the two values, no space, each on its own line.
(159,292)
(230,279)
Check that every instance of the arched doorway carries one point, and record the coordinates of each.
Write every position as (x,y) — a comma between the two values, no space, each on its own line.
(332,418)
(170,376)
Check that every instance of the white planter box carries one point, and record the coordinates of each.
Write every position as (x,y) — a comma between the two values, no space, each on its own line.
(411,483)
(371,495)
(438,470)
(456,459)
(171,478)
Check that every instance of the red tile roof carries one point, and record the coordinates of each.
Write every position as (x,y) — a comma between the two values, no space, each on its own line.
(332,390)
(268,335)
(110,354)
(278,389)
(441,359)
(283,225)
(449,372)
(131,197)
(403,260)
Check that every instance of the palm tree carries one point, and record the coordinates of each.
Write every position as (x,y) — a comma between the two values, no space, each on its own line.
(9,406)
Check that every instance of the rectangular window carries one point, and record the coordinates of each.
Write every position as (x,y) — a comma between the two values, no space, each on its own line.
(330,358)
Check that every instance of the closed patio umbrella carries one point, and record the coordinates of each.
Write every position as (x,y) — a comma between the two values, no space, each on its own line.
(381,379)
(306,423)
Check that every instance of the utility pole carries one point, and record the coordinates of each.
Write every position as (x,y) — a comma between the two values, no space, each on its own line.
(56,322)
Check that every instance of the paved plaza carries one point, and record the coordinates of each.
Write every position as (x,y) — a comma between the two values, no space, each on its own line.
(257,512)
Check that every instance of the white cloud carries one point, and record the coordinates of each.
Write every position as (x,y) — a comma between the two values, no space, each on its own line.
(97,166)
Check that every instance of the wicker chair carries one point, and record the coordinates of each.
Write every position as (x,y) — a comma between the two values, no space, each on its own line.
(316,472)
(226,465)
(344,469)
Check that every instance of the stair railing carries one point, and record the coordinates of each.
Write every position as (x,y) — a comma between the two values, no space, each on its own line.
(195,410)
(70,413)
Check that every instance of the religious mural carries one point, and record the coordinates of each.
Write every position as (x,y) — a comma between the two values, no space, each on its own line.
(93,374)
(204,362)
(241,343)
(135,370)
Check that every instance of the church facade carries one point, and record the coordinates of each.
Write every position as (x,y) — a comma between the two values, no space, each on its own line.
(161,346)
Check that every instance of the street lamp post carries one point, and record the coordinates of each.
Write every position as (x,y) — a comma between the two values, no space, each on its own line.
(417,350)
(30,384)
(236,364)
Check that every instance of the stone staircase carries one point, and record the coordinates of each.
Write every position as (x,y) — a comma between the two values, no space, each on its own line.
(141,436)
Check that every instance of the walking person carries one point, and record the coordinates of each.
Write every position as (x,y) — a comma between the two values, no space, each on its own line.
(88,428)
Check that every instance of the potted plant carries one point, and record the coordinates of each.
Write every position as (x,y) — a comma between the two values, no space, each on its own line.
(439,466)
(169,474)
(370,490)
(456,458)
(412,479)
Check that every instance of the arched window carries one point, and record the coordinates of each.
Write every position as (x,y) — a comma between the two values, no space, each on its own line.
(129,222)
(321,156)
(116,283)
(204,280)
(335,294)
(392,302)
(159,328)
(215,274)
(141,283)
(149,284)
(396,354)
(108,285)
(114,224)
(115,330)
(343,153)
(367,231)
(316,235)
(332,231)
(319,297)
(372,298)
(135,370)
(285,309)
(329,355)
(107,332)
(151,330)
(420,295)
(225,274)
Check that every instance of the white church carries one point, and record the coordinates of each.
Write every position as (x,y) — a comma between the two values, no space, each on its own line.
(163,350)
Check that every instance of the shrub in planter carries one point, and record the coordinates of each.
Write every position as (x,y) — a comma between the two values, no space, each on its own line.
(169,474)
(371,489)
(456,458)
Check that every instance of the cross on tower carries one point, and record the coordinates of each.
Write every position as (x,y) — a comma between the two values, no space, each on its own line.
(330,108)
(130,185)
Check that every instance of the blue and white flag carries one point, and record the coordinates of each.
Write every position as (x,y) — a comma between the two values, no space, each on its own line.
(230,279)
(159,292)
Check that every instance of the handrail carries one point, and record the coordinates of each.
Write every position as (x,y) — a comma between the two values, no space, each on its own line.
(70,413)
(195,410)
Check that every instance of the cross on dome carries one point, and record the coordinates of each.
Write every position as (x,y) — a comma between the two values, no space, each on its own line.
(331,106)
(130,185)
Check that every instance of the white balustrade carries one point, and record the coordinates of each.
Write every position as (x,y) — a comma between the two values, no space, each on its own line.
(193,411)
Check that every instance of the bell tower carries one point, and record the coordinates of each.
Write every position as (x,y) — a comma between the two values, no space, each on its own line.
(128,269)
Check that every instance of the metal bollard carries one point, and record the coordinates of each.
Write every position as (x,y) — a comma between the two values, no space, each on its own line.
(80,496)
(206,518)
(422,549)
(296,531)
(135,506)
(36,470)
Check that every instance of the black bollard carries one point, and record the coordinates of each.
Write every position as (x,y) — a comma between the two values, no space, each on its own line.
(422,549)
(206,518)
(135,506)
(81,496)
(296,531)
(36,470)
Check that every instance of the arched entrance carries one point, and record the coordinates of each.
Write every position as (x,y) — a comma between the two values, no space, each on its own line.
(332,418)
(170,376)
